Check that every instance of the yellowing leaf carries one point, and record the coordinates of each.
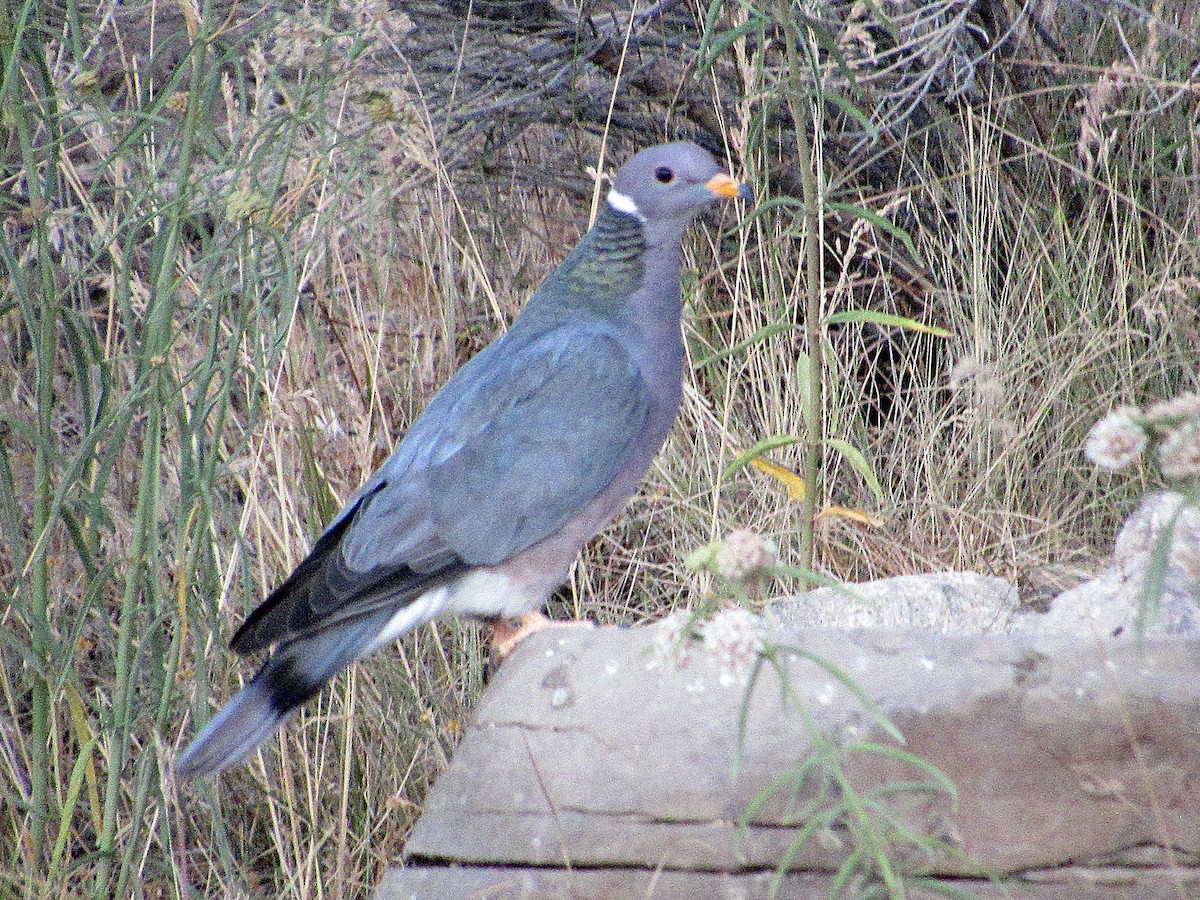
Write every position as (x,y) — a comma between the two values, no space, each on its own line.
(856,515)
(796,488)
(887,319)
(771,443)
(85,737)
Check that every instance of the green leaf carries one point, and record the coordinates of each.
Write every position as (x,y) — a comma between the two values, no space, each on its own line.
(845,872)
(879,222)
(944,888)
(887,319)
(855,113)
(785,571)
(937,776)
(771,203)
(1154,582)
(761,447)
(74,786)
(713,47)
(743,719)
(804,382)
(702,558)
(761,335)
(859,463)
(872,708)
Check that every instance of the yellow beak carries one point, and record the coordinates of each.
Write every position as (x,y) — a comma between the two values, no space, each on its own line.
(724,186)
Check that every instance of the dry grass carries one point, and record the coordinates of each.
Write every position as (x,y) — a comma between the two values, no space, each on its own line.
(203,365)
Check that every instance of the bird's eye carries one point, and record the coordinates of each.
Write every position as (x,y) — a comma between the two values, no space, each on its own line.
(663,174)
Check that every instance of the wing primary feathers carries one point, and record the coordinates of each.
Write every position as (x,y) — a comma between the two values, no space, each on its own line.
(269,622)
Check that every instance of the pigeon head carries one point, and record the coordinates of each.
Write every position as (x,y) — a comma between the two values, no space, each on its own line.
(665,186)
(629,261)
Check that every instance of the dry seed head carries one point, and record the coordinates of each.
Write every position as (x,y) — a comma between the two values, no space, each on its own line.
(303,41)
(368,12)
(1184,408)
(1003,432)
(256,56)
(191,16)
(989,392)
(1096,108)
(966,369)
(1116,440)
(329,425)
(979,382)
(1179,454)
(375,19)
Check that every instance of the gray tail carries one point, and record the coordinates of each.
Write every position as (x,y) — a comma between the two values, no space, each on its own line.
(245,722)
(293,674)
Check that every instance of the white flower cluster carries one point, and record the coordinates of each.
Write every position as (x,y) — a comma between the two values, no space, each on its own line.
(1116,440)
(670,645)
(734,637)
(1179,453)
(1122,436)
(744,553)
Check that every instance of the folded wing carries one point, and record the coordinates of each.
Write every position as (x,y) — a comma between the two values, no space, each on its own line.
(522,439)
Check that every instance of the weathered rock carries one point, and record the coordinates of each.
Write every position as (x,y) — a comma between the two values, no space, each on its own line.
(1151,585)
(510,883)
(619,764)
(593,749)
(947,601)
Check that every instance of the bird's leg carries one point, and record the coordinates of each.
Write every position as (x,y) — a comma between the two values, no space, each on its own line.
(506,636)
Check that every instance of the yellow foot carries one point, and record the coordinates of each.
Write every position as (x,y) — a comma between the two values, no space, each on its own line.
(505,636)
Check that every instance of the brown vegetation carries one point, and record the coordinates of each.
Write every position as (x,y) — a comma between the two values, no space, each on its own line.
(242,247)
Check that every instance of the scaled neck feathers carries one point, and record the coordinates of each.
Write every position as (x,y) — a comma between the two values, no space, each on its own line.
(608,271)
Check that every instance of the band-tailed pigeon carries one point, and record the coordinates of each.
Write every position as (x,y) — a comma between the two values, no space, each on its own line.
(524,454)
